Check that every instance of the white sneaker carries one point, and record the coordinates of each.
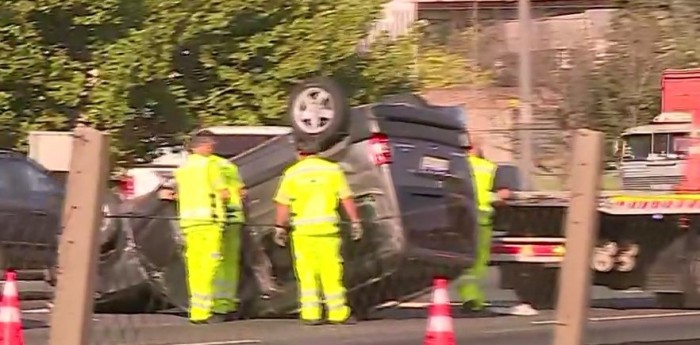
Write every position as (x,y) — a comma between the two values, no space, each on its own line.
(523,309)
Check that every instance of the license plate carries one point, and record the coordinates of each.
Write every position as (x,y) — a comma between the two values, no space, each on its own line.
(435,164)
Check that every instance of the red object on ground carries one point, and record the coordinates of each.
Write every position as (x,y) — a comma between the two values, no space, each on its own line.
(440,330)
(10,319)
(691,176)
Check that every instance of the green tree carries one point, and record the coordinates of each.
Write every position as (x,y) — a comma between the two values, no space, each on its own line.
(138,68)
(647,36)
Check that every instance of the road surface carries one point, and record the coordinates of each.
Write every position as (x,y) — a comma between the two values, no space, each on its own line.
(617,317)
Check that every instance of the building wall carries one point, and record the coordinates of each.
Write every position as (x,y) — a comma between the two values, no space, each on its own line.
(399,16)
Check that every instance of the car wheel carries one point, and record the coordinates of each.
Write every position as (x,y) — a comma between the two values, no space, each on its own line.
(318,109)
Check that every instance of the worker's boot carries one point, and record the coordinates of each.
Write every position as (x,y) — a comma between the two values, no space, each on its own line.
(472,307)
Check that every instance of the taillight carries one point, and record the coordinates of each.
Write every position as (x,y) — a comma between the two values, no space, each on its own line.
(380,149)
(529,249)
(126,187)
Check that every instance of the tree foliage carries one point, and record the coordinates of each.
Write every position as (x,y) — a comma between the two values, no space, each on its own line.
(141,68)
(647,36)
(449,59)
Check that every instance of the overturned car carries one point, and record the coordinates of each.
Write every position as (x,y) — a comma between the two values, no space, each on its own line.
(405,162)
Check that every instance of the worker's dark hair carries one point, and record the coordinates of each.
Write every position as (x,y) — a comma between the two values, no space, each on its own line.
(199,140)
(306,146)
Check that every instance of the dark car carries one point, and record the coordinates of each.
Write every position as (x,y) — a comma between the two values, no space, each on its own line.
(30,208)
(405,162)
(31,203)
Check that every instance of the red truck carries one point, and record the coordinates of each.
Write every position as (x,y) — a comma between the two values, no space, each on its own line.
(648,235)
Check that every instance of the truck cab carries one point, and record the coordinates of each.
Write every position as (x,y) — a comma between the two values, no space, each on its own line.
(652,157)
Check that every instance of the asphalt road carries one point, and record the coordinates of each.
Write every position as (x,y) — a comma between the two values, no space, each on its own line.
(616,317)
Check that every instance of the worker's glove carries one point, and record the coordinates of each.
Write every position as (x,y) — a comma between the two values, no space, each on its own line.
(280,236)
(356,231)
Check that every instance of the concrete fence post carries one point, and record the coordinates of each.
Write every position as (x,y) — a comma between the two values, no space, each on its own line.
(71,316)
(581,227)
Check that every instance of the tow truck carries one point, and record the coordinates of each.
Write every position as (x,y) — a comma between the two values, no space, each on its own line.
(648,234)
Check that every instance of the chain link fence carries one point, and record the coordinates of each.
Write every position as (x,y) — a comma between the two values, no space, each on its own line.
(594,67)
(141,294)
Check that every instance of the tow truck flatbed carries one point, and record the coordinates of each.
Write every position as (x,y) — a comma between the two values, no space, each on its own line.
(620,202)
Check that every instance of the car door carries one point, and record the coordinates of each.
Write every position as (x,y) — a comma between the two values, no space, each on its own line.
(33,214)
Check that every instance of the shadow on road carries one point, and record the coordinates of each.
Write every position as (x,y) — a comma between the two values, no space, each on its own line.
(402,313)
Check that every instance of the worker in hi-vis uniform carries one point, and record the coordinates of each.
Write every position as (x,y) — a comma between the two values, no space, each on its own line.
(201,195)
(227,277)
(470,288)
(308,194)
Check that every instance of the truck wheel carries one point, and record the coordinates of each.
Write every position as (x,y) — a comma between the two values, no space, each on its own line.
(318,110)
(538,287)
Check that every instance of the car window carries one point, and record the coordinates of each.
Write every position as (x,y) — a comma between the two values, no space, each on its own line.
(637,147)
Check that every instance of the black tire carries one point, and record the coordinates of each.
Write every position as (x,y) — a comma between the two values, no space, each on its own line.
(331,131)
(538,287)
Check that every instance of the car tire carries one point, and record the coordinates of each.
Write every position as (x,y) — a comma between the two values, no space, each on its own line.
(334,122)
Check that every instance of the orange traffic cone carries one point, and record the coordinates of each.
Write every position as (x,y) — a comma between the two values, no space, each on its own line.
(440,331)
(10,320)
(691,176)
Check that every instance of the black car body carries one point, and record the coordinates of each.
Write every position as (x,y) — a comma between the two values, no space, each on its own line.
(404,160)
(31,204)
(30,209)
(418,212)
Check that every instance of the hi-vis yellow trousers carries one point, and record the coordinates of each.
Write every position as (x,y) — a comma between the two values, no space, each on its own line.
(212,257)
(470,289)
(317,259)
